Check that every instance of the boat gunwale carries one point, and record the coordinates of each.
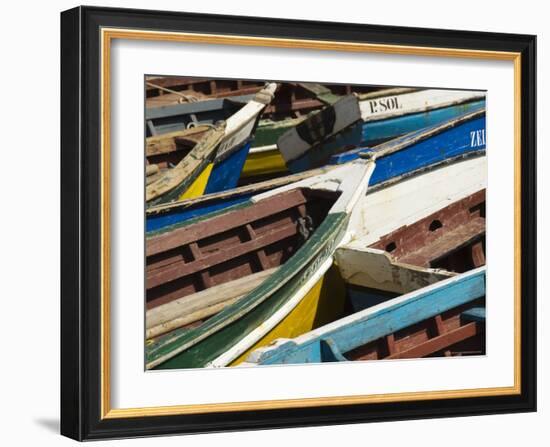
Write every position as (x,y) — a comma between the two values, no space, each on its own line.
(476,95)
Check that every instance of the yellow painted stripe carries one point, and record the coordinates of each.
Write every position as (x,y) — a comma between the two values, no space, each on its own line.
(199,185)
(261,163)
(321,305)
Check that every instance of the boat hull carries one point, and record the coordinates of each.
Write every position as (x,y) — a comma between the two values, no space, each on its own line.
(332,341)
(323,303)
(374,132)
(226,173)
(269,296)
(450,143)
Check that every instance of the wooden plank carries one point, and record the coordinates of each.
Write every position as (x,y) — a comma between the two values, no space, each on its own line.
(194,232)
(438,343)
(373,268)
(186,310)
(204,275)
(390,343)
(166,143)
(439,325)
(395,105)
(478,254)
(179,270)
(262,257)
(449,242)
(420,233)
(185,172)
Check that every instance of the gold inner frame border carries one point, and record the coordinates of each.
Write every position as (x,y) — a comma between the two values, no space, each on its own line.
(107,35)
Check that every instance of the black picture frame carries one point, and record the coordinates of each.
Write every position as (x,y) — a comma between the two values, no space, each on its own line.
(81,223)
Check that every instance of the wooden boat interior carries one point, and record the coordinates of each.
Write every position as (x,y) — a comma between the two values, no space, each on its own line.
(452,238)
(451,333)
(443,319)
(165,151)
(162,91)
(233,244)
(447,242)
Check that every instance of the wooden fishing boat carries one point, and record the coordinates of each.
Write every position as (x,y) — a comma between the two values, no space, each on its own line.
(264,158)
(296,98)
(397,157)
(205,158)
(294,229)
(291,105)
(293,101)
(448,241)
(444,318)
(170,90)
(411,247)
(160,217)
(368,120)
(163,120)
(393,205)
(455,137)
(322,297)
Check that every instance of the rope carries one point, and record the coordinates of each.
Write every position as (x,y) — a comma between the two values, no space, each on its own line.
(185,98)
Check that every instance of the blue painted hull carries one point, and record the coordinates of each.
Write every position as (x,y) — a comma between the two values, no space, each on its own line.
(160,221)
(374,132)
(377,131)
(448,144)
(226,173)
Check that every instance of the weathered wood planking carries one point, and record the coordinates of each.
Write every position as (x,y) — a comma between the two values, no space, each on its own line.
(170,90)
(293,100)
(224,336)
(416,197)
(190,309)
(186,260)
(447,238)
(375,269)
(446,334)
(173,182)
(408,103)
(361,328)
(397,158)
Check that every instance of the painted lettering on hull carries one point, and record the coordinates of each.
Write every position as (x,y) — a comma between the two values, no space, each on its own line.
(384,105)
(477,138)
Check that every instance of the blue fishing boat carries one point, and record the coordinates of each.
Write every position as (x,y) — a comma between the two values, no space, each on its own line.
(417,150)
(162,217)
(401,327)
(378,119)
(424,147)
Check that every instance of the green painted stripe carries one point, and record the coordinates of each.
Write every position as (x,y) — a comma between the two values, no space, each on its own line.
(198,346)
